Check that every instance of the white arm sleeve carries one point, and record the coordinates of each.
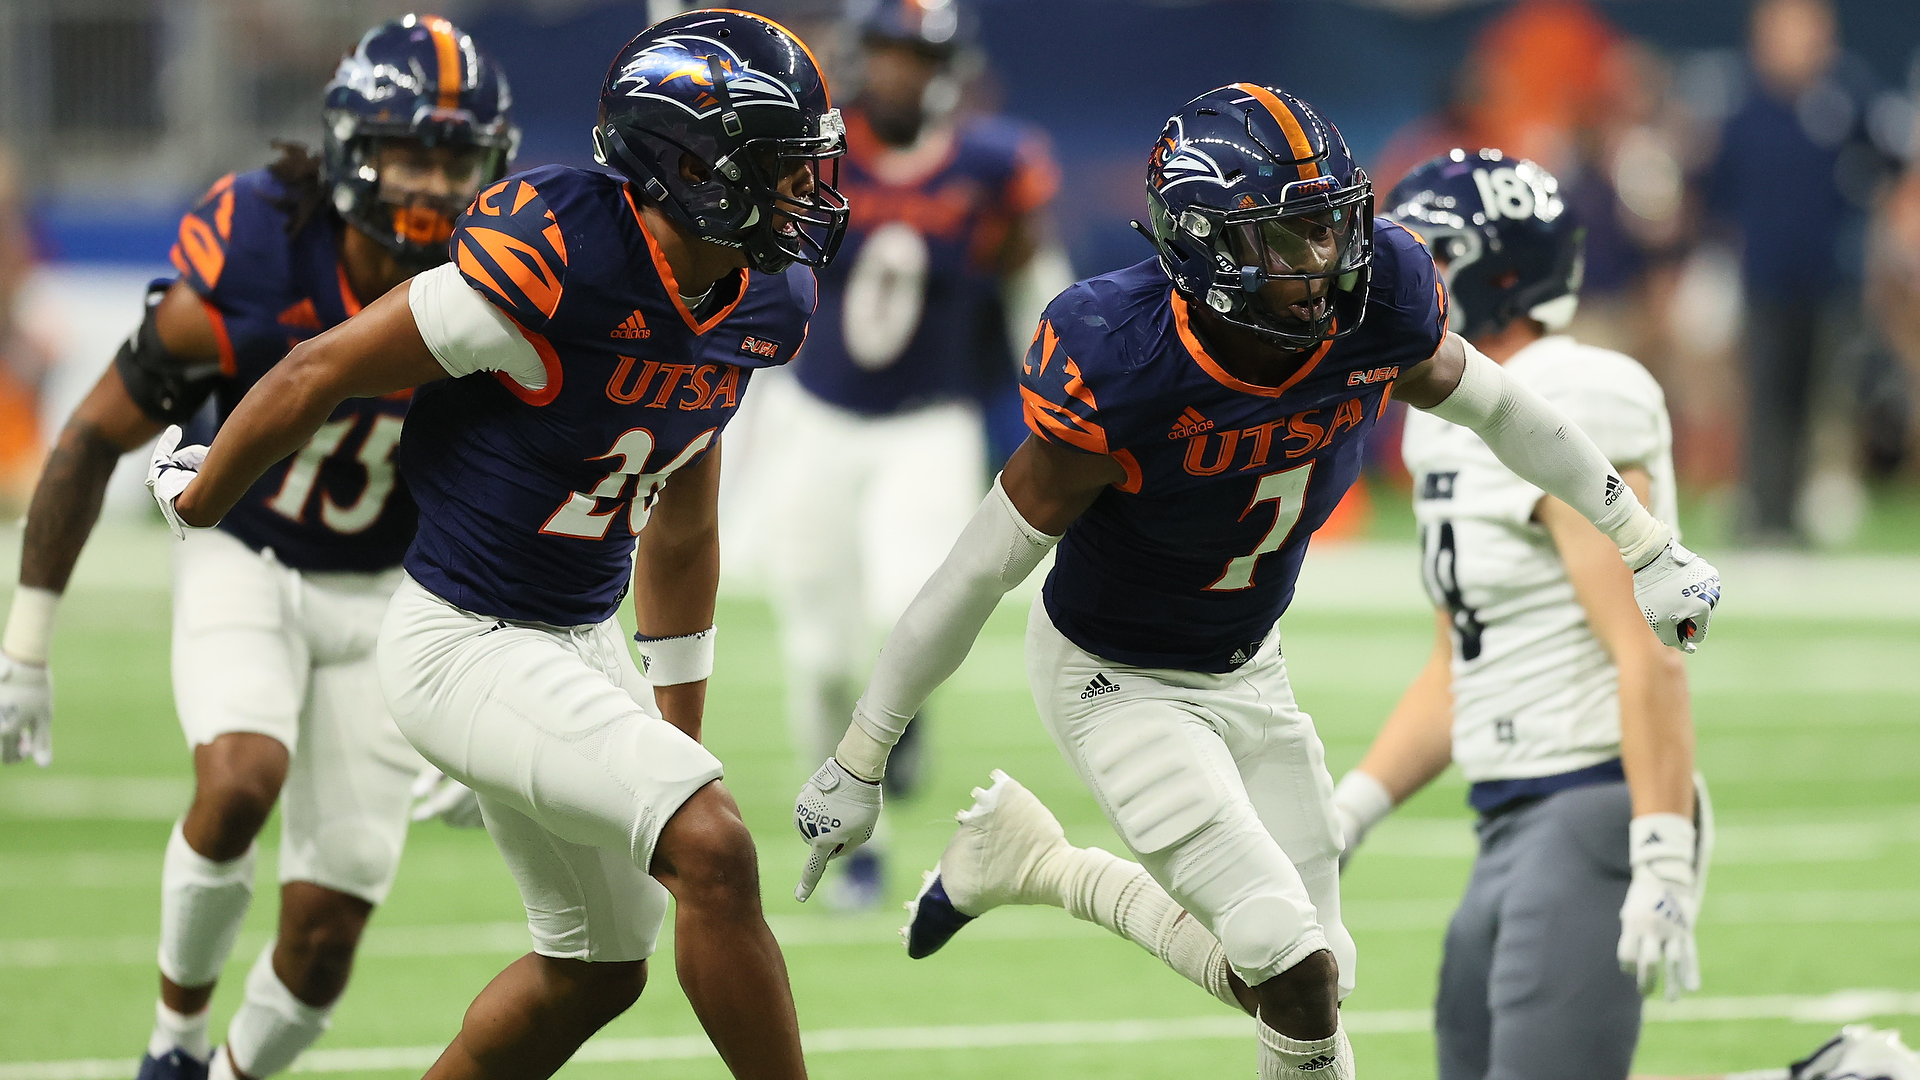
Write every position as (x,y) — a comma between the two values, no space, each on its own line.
(1545,449)
(468,334)
(996,551)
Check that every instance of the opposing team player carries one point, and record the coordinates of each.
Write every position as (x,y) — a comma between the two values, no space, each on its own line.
(576,363)
(276,612)
(881,458)
(1195,418)
(1545,685)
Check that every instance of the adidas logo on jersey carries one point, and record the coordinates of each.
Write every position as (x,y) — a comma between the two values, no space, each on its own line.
(1191,423)
(634,327)
(1098,685)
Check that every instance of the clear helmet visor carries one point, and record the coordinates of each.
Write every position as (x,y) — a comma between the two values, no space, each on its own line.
(1299,245)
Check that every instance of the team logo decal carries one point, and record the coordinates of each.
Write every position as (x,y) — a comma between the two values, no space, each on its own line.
(1176,161)
(675,69)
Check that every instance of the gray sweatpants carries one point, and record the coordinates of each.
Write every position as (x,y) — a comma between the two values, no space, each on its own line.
(1529,987)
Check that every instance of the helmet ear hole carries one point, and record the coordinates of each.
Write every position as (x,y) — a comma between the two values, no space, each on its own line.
(693,170)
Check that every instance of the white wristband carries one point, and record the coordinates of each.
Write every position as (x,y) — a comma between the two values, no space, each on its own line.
(29,636)
(863,755)
(670,661)
(1365,798)
(1653,838)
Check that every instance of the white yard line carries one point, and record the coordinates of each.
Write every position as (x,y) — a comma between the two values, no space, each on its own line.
(1831,907)
(1839,1007)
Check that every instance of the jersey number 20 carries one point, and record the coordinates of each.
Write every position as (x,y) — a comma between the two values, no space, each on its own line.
(581,515)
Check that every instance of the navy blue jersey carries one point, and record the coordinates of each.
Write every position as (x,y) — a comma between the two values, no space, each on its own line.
(530,500)
(338,503)
(1190,561)
(905,308)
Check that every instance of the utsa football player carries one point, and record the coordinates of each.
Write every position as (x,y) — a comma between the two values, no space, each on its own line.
(275,613)
(576,364)
(881,457)
(1195,418)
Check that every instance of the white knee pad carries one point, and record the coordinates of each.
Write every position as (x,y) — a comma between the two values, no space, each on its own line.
(202,904)
(272,1026)
(1265,935)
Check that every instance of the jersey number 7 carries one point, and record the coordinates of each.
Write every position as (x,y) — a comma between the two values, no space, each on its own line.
(1288,491)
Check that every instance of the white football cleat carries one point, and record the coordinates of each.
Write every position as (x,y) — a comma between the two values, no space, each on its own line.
(994,858)
(1859,1052)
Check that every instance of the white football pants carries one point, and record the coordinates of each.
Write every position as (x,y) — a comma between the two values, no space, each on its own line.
(260,647)
(1218,785)
(556,730)
(862,511)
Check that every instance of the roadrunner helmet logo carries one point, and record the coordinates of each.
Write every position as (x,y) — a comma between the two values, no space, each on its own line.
(675,69)
(1176,161)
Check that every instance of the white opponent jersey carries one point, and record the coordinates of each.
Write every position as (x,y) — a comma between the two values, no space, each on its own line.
(1534,692)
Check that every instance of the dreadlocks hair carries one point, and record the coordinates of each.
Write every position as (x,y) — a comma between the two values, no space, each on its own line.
(298,171)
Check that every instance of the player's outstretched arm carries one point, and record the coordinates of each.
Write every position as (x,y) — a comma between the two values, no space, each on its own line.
(1656,748)
(1414,746)
(169,358)
(1042,489)
(675,576)
(378,351)
(1676,589)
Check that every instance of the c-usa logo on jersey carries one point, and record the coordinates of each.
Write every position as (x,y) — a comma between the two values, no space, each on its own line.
(675,69)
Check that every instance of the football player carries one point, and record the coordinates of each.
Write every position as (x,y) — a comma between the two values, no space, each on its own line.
(1545,684)
(881,456)
(576,363)
(1195,418)
(275,613)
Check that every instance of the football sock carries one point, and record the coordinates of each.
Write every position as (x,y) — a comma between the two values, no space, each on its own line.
(272,1026)
(1100,887)
(173,1030)
(202,904)
(1282,1058)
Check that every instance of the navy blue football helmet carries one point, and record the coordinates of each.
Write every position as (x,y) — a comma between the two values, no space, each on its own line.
(744,97)
(1249,186)
(1507,245)
(423,79)
(935,27)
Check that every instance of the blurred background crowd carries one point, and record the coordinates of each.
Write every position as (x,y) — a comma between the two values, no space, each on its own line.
(1749,176)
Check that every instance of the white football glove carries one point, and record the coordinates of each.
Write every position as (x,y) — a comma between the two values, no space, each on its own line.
(437,795)
(26,712)
(1677,592)
(836,811)
(173,467)
(1657,919)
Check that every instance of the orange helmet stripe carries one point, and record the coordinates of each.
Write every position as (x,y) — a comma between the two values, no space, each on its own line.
(446,48)
(1303,150)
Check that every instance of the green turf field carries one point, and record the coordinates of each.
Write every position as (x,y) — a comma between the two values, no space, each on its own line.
(1807,700)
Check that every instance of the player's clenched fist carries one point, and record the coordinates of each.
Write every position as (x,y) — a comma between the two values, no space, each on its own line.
(836,810)
(173,467)
(1677,592)
(26,712)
